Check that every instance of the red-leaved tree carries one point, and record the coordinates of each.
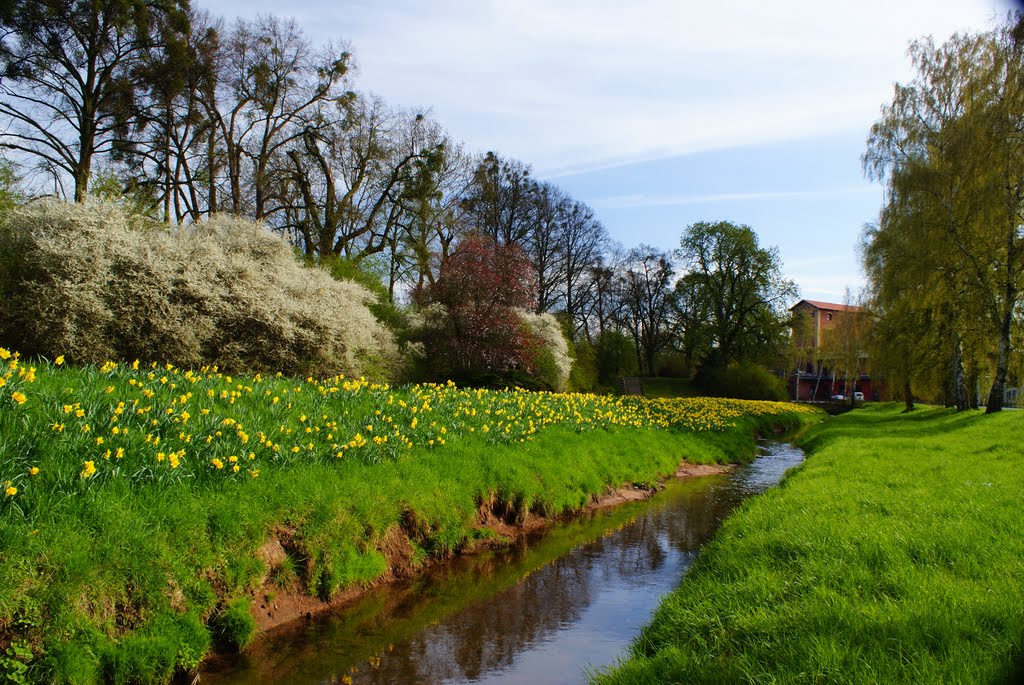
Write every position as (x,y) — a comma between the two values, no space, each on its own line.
(479,338)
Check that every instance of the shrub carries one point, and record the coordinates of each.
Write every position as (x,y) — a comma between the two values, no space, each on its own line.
(552,365)
(93,284)
(745,381)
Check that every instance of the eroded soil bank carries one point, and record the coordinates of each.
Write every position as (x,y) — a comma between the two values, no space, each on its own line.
(278,604)
(540,608)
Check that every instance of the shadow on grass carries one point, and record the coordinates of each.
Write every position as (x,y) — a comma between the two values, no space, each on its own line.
(891,420)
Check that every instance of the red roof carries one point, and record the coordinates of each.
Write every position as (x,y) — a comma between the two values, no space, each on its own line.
(829,306)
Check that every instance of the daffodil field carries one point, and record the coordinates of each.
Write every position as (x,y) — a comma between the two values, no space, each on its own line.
(134,496)
(166,425)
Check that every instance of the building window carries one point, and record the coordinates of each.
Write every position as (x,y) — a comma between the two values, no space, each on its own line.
(829,315)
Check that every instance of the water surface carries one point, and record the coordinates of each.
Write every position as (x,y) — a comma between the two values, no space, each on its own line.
(547,610)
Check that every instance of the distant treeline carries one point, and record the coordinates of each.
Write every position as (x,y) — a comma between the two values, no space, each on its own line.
(179,116)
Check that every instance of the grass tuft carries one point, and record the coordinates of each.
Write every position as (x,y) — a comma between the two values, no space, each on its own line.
(235,627)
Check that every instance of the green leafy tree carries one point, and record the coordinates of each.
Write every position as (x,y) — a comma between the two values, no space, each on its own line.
(740,289)
(950,148)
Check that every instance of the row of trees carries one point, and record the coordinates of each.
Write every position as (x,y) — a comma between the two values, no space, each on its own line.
(729,305)
(181,116)
(945,261)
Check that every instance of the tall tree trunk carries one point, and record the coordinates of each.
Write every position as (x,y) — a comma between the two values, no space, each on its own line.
(1009,303)
(908,395)
(995,395)
(81,183)
(81,175)
(958,379)
(167,180)
(86,139)
(261,191)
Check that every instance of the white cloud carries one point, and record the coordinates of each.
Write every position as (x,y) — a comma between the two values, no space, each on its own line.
(828,289)
(579,84)
(582,83)
(644,200)
(575,85)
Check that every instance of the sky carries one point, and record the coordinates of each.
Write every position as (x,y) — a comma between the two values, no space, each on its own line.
(660,113)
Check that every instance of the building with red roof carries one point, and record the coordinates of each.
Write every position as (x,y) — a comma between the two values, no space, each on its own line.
(828,337)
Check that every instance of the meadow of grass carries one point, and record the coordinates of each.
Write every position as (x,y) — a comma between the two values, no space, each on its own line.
(894,554)
(134,499)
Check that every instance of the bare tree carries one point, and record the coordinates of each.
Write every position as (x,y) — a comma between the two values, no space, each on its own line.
(543,244)
(71,76)
(432,220)
(647,296)
(269,83)
(501,200)
(582,242)
(353,178)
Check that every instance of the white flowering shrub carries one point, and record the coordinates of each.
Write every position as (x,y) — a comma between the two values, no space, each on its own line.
(554,363)
(90,283)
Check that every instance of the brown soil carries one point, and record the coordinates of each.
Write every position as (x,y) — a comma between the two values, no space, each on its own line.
(275,605)
(687,470)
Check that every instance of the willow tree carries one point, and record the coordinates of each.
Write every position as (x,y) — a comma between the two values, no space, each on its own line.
(950,148)
(912,337)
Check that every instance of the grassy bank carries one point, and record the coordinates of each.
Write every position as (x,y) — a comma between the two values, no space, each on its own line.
(894,555)
(144,512)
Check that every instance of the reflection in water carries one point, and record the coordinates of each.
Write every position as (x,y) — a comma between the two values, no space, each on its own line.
(542,612)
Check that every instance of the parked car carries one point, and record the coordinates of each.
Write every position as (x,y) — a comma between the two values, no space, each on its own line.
(837,396)
(858,396)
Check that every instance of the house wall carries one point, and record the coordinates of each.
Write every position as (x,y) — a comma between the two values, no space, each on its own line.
(804,382)
(821,320)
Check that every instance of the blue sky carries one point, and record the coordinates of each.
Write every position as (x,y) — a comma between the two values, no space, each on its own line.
(660,113)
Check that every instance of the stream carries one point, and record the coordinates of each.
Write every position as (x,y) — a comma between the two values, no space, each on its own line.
(550,609)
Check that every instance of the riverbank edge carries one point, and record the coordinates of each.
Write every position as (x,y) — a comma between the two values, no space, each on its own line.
(840,604)
(495,531)
(495,526)
(104,637)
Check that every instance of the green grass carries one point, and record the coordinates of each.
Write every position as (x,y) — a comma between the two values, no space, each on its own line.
(895,554)
(122,564)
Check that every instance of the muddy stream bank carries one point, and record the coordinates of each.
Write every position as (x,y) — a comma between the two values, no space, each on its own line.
(559,602)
